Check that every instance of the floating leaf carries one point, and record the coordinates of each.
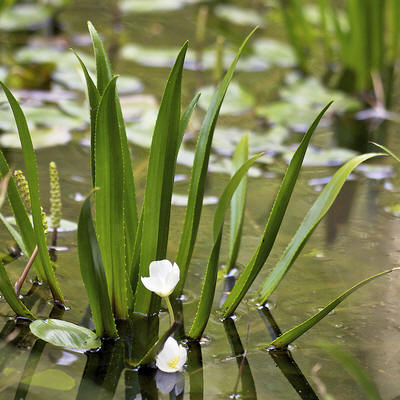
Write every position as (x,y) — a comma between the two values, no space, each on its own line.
(65,225)
(24,16)
(239,16)
(51,379)
(274,52)
(40,138)
(153,6)
(236,102)
(65,334)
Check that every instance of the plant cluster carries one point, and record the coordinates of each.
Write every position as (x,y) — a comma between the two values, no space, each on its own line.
(123,252)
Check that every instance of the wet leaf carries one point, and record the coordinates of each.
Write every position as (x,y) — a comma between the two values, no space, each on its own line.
(65,225)
(24,16)
(153,6)
(65,334)
(274,52)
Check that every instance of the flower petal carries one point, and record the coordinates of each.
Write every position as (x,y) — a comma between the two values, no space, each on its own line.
(153,284)
(160,268)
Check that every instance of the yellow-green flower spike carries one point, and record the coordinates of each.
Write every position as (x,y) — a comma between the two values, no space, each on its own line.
(44,220)
(23,188)
(55,196)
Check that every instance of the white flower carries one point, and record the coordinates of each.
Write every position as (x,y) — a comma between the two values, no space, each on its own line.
(172,357)
(163,277)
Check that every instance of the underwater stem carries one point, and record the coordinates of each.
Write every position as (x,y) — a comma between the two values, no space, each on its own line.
(22,278)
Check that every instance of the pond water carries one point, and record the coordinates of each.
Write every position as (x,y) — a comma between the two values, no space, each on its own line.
(358,238)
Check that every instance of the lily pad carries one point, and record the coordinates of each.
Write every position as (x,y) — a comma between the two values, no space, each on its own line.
(51,379)
(182,200)
(153,6)
(65,334)
(65,225)
(237,15)
(393,210)
(323,157)
(24,16)
(237,100)
(275,53)
(41,138)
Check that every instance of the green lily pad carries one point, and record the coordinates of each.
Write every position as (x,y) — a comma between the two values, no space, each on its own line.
(51,379)
(393,210)
(237,100)
(275,53)
(65,334)
(41,138)
(24,16)
(65,225)
(182,200)
(323,157)
(63,58)
(237,15)
(153,6)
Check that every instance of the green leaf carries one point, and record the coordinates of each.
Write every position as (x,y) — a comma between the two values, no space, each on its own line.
(159,184)
(273,224)
(387,151)
(210,280)
(33,182)
(199,172)
(94,98)
(65,334)
(7,290)
(354,368)
(93,275)
(309,223)
(109,200)
(291,335)
(14,233)
(54,379)
(103,68)
(238,203)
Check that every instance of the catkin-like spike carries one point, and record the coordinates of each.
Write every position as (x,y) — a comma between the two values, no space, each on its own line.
(55,196)
(23,188)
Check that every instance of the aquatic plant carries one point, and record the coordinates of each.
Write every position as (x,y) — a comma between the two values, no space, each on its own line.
(361,39)
(120,249)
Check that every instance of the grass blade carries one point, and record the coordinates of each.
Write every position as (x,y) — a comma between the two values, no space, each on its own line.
(274,222)
(291,335)
(103,67)
(238,203)
(199,171)
(7,290)
(309,223)
(93,275)
(33,181)
(159,184)
(210,280)
(354,368)
(15,234)
(109,200)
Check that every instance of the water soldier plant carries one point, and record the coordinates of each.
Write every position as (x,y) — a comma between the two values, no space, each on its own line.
(123,252)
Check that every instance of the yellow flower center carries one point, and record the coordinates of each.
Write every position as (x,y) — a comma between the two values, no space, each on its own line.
(173,363)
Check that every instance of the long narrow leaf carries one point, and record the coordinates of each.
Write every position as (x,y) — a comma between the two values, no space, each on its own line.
(210,280)
(309,223)
(94,98)
(160,179)
(387,151)
(12,299)
(93,275)
(103,68)
(109,200)
(291,335)
(274,222)
(238,203)
(15,234)
(199,171)
(33,182)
